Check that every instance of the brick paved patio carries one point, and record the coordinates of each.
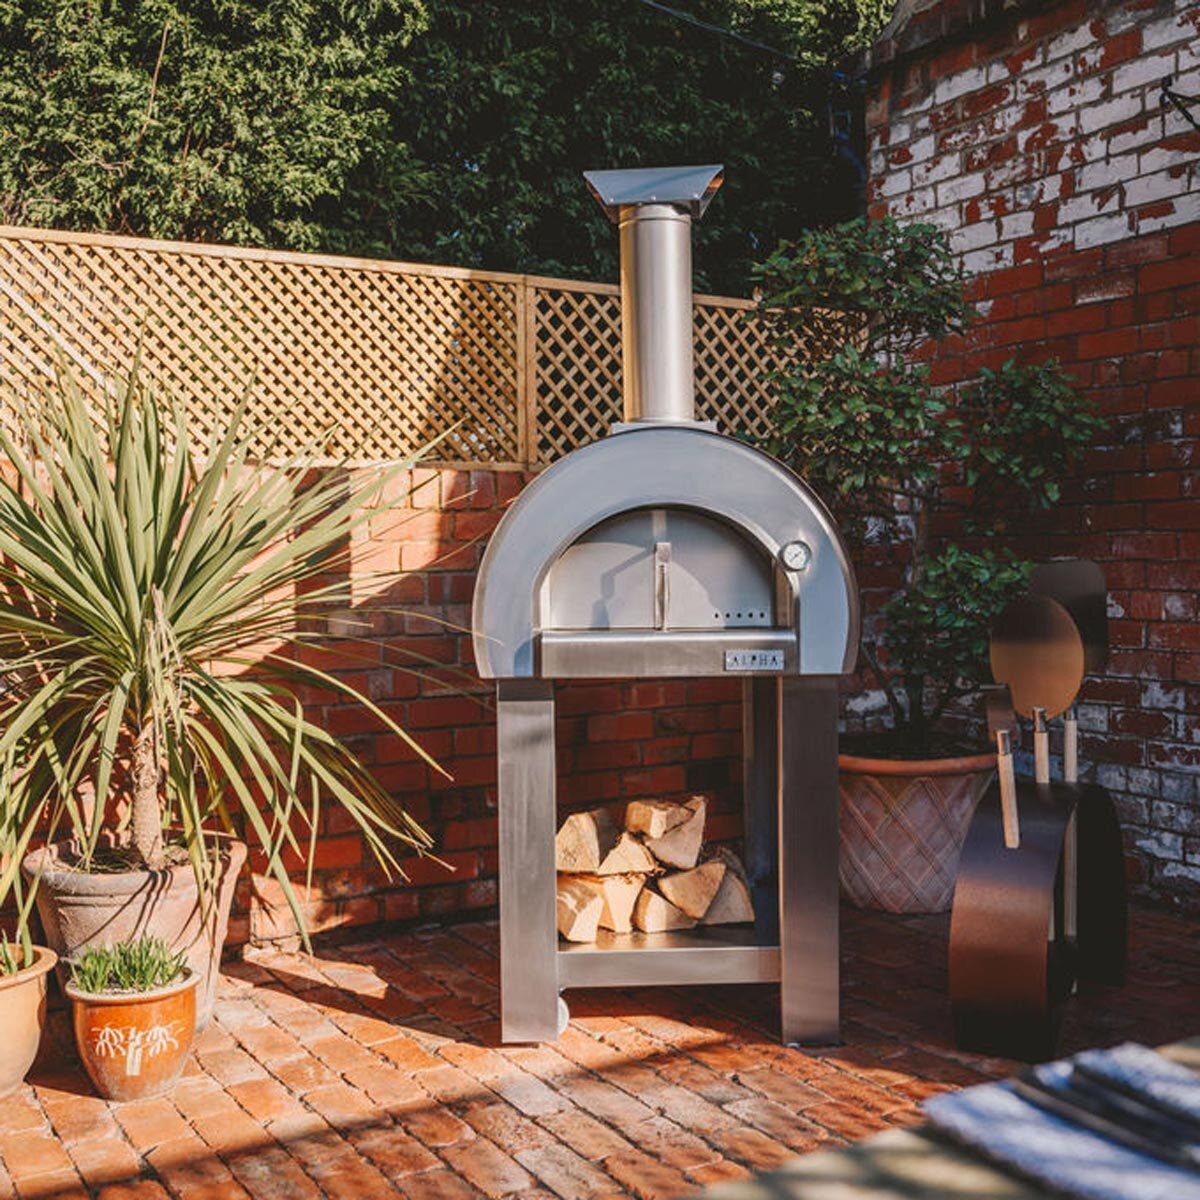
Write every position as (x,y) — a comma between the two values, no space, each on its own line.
(373,1070)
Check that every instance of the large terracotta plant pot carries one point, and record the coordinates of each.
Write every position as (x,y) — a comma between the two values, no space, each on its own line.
(902,828)
(133,1045)
(22,1016)
(80,910)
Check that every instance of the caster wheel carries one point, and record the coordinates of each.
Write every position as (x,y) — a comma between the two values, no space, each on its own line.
(564,1015)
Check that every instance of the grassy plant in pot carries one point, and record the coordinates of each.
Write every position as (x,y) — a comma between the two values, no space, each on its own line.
(928,483)
(133,1010)
(161,608)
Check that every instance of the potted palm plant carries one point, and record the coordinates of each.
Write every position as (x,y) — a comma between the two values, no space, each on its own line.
(133,1012)
(926,481)
(161,607)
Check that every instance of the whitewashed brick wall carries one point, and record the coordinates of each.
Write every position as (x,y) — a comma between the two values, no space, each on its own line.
(1071,120)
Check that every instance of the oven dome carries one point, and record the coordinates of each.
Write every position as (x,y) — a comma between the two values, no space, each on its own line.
(586,524)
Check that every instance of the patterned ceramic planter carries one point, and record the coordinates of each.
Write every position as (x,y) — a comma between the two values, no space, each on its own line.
(22,1015)
(134,1044)
(903,824)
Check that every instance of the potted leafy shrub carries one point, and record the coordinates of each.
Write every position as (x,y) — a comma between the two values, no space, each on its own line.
(161,607)
(23,971)
(925,481)
(133,1010)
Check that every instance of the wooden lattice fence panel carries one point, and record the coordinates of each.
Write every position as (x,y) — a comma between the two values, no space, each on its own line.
(365,359)
(733,361)
(576,368)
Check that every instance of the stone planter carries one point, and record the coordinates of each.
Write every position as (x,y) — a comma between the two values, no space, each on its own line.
(79,910)
(22,1016)
(133,1045)
(902,828)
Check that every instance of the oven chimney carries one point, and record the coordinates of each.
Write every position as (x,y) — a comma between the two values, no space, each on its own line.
(653,208)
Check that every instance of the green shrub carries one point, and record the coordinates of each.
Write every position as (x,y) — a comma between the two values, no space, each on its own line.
(262,124)
(900,460)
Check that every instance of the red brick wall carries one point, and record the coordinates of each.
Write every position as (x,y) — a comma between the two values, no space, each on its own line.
(1036,139)
(413,573)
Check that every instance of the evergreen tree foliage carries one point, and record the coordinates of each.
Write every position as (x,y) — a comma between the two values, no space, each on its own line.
(448,131)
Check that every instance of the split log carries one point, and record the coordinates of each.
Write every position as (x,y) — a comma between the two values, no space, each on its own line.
(655,914)
(654,818)
(680,846)
(584,841)
(731,905)
(617,893)
(627,857)
(692,891)
(579,908)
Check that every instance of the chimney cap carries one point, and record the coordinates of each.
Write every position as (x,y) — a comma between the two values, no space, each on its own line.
(690,188)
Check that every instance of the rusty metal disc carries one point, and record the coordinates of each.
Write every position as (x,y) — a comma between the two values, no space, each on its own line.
(1080,587)
(1036,649)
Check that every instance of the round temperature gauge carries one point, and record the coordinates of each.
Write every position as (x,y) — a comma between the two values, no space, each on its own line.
(795,556)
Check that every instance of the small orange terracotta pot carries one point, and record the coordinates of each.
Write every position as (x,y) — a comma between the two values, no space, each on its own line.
(134,1044)
(22,1015)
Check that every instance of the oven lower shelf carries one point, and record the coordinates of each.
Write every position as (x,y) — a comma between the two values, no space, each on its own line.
(708,954)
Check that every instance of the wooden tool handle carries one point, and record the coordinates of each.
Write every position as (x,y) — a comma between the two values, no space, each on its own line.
(1071,747)
(1008,791)
(1041,747)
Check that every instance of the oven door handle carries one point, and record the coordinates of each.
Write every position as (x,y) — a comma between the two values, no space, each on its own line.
(662,585)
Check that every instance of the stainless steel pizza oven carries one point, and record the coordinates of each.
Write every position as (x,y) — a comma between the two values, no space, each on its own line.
(667,549)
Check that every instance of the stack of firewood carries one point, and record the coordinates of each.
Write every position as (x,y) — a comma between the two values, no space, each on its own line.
(653,875)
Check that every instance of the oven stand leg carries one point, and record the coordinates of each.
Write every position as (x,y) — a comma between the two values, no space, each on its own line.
(808,859)
(760,801)
(529,1005)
